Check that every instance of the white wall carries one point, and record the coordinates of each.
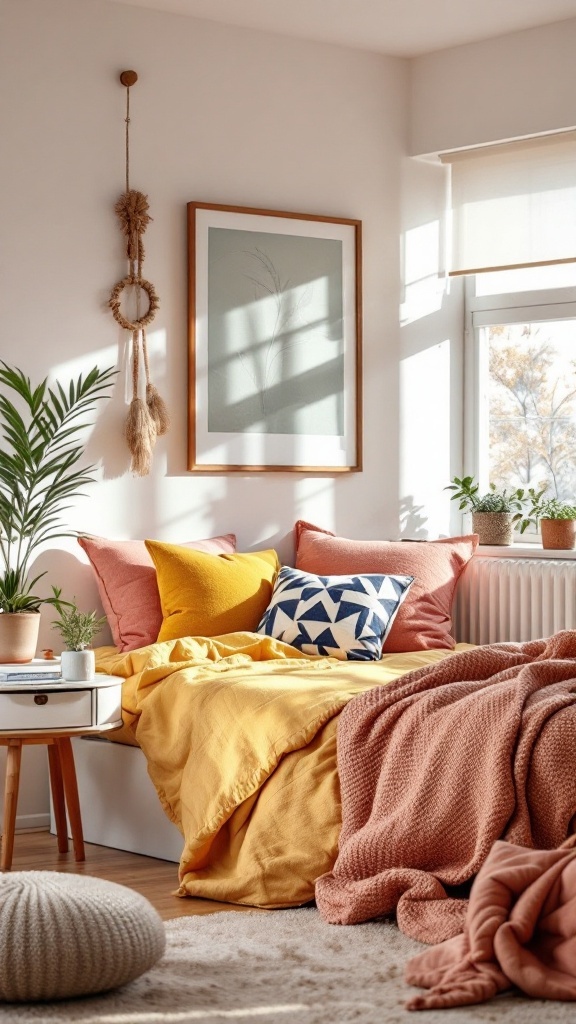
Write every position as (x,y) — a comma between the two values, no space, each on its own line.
(518,84)
(219,115)
(431,358)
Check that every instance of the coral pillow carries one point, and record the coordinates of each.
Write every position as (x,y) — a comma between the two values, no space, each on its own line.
(423,621)
(127,585)
(209,595)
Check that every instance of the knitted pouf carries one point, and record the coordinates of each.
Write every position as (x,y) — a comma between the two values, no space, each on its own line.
(64,935)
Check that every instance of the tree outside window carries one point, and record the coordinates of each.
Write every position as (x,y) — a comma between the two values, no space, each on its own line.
(532,406)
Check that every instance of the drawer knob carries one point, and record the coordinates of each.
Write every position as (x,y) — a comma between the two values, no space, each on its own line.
(41,698)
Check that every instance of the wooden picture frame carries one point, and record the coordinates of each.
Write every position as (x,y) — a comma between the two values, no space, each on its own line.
(274,341)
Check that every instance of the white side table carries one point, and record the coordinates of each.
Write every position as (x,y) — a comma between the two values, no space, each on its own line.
(51,713)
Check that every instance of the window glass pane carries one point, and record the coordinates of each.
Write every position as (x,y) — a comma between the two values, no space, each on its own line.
(561,275)
(531,400)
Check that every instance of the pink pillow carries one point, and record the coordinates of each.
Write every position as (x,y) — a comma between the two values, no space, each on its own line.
(127,584)
(424,618)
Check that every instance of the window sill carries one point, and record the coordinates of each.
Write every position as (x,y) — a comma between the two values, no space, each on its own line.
(522,550)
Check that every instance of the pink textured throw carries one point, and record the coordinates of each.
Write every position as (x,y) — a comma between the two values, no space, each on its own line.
(437,766)
(520,930)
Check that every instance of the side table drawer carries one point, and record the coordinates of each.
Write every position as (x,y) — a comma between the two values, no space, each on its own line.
(108,705)
(65,709)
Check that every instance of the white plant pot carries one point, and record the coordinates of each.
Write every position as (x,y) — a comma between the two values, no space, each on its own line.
(78,666)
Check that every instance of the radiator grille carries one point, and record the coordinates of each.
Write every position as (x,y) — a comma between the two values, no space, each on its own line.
(514,599)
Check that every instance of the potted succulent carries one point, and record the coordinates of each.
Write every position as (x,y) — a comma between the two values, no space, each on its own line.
(557,520)
(77,630)
(494,514)
(40,427)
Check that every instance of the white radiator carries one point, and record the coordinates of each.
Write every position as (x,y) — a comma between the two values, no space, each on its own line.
(514,599)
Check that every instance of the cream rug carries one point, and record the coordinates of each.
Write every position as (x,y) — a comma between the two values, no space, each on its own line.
(281,967)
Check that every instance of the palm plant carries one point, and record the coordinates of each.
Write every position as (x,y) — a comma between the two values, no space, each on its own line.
(38,471)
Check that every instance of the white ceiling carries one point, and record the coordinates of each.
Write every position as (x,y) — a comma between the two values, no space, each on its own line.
(404,28)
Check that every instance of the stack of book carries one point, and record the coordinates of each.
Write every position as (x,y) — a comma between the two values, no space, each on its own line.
(37,670)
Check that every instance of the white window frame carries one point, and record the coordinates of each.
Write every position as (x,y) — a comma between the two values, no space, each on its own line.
(481,311)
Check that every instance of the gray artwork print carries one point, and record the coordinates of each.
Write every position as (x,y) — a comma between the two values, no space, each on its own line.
(275,333)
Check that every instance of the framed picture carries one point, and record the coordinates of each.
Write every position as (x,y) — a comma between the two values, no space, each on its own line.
(274,341)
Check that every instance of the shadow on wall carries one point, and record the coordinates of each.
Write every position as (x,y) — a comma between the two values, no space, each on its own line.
(77,582)
(412,522)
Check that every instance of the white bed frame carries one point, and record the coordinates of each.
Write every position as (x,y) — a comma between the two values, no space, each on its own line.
(119,804)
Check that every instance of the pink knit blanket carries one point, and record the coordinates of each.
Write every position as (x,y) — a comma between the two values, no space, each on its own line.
(520,932)
(437,766)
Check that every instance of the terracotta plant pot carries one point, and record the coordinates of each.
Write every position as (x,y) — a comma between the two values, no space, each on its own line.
(558,534)
(494,527)
(18,636)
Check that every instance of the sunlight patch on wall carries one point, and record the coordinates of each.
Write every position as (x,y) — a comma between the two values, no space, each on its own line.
(118,355)
(425,440)
(315,501)
(422,262)
(82,364)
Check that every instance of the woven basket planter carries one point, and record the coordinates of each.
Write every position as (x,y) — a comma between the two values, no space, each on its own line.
(495,528)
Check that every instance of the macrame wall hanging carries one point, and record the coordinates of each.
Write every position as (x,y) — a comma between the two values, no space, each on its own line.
(147,419)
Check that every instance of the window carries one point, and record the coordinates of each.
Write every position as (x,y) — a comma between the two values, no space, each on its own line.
(513,204)
(513,238)
(521,378)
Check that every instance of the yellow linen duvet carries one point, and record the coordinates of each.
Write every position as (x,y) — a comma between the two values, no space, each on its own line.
(239,732)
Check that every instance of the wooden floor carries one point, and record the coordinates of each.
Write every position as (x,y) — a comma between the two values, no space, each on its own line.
(155,879)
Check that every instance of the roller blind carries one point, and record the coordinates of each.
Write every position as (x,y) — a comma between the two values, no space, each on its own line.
(513,204)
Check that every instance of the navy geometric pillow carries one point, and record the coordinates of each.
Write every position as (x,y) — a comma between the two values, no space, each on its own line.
(347,617)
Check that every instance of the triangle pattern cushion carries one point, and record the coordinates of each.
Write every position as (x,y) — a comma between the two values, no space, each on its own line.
(424,622)
(209,595)
(347,617)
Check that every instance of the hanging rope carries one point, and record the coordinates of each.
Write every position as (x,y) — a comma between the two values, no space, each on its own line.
(146,419)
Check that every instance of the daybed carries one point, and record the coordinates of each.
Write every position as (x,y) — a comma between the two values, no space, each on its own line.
(235,701)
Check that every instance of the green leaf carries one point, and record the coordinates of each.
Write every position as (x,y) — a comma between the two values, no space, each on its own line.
(39,469)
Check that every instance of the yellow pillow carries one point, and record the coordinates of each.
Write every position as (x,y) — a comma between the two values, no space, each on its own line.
(208,595)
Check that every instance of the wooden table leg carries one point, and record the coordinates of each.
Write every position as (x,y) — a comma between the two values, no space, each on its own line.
(13,759)
(57,787)
(64,748)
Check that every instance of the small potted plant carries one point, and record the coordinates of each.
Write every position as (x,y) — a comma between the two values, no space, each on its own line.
(557,520)
(77,630)
(494,513)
